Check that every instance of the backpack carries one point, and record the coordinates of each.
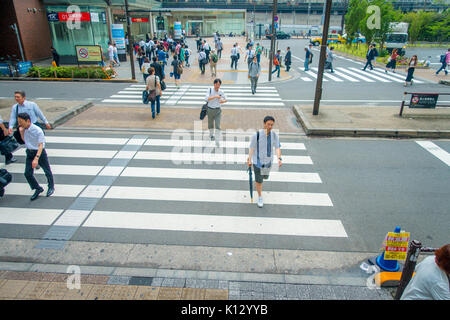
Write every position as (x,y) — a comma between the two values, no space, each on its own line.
(5,178)
(179,68)
(442,60)
(214,57)
(275,61)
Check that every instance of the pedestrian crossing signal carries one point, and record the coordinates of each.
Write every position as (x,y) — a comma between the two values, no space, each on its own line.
(160,23)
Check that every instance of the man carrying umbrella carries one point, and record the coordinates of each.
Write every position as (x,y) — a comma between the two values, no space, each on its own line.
(263,142)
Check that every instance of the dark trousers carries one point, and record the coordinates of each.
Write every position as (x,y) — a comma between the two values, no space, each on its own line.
(443,66)
(234,61)
(29,171)
(410,76)
(368,64)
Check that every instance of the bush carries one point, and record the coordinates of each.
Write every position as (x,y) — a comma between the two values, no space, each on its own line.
(94,72)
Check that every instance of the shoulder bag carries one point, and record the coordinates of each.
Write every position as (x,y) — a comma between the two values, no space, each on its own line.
(204,108)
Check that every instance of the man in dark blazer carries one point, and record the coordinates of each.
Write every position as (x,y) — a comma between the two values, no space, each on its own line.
(287,59)
(370,56)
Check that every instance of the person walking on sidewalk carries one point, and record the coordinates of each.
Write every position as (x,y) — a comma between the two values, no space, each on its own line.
(249,54)
(116,54)
(145,66)
(213,63)
(234,57)
(411,68)
(445,60)
(207,49)
(9,158)
(34,139)
(254,69)
(258,53)
(187,54)
(177,70)
(219,48)
(260,154)
(154,83)
(158,69)
(215,98)
(182,55)
(370,56)
(308,57)
(392,61)
(276,63)
(287,59)
(202,60)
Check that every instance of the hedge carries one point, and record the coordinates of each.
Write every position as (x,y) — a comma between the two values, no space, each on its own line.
(69,72)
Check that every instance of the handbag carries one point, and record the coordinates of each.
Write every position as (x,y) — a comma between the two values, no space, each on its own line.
(145,97)
(163,85)
(204,109)
(8,145)
(5,178)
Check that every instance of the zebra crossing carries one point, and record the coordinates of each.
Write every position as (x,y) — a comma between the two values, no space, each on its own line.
(194,95)
(117,185)
(353,75)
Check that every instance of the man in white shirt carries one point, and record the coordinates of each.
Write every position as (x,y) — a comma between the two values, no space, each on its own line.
(249,54)
(34,139)
(215,98)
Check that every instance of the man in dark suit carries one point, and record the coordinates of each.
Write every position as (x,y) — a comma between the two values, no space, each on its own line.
(370,56)
(158,69)
(287,59)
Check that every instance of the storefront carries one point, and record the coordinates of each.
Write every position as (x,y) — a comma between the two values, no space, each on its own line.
(92,29)
(206,23)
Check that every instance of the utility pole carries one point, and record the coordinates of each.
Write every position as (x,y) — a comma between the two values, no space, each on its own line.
(323,51)
(272,38)
(130,41)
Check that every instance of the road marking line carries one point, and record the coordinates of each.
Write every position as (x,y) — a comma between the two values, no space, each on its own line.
(61,190)
(355,74)
(176,142)
(438,152)
(28,216)
(217,196)
(328,75)
(215,223)
(368,74)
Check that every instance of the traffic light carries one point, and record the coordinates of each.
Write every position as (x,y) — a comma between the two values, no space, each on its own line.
(160,23)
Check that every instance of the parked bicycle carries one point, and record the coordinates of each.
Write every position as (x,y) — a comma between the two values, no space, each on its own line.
(12,62)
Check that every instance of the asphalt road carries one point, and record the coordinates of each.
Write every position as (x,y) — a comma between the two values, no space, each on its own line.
(374,185)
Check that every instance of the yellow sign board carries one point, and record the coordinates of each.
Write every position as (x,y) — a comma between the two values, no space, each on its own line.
(89,53)
(396,246)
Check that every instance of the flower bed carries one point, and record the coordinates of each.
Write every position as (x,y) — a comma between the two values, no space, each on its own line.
(70,72)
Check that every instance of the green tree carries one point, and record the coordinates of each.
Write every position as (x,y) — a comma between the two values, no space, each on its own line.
(355,13)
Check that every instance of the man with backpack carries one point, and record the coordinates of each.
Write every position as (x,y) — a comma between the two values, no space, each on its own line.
(177,70)
(445,60)
(213,63)
(260,154)
(202,60)
(234,57)
(276,63)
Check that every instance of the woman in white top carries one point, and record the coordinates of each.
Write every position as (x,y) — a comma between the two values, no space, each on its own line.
(411,68)
(154,84)
(145,67)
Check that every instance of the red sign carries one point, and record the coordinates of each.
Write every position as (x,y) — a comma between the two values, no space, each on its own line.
(73,16)
(139,19)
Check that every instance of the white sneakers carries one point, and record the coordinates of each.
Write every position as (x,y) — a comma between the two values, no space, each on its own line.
(260,202)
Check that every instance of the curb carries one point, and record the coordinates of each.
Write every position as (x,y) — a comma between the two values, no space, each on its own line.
(445,82)
(70,114)
(366,132)
(69,80)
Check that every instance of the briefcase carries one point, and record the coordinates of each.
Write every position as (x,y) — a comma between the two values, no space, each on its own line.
(8,145)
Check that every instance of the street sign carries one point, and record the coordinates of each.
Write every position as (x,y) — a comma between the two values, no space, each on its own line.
(88,53)
(396,246)
(423,100)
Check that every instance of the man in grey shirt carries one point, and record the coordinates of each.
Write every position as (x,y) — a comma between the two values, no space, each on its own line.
(254,70)
(34,139)
(261,154)
(215,97)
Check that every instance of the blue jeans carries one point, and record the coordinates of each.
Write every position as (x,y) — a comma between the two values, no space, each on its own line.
(444,65)
(158,106)
(306,65)
(277,68)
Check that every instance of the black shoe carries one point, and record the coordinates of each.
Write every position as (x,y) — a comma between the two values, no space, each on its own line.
(50,191)
(2,192)
(36,194)
(12,160)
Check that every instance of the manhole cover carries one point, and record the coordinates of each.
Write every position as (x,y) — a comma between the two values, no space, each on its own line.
(56,109)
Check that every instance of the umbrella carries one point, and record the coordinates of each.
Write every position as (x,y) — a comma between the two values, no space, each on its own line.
(250,180)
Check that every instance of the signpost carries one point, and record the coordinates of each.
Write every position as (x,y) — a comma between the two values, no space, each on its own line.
(118,36)
(396,246)
(88,54)
(420,100)
(177,29)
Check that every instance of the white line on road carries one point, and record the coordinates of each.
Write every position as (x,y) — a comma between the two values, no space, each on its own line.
(438,152)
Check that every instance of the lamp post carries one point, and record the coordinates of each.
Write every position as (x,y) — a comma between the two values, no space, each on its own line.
(272,38)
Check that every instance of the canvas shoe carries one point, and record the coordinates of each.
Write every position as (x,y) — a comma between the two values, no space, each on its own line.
(260,202)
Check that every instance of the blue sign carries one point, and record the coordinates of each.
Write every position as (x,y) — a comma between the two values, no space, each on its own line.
(4,69)
(52,17)
(23,67)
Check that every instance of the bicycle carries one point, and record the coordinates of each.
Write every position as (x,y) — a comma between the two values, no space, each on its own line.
(12,62)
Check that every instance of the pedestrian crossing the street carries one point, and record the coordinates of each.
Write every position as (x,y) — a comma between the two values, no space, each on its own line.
(352,74)
(115,186)
(194,95)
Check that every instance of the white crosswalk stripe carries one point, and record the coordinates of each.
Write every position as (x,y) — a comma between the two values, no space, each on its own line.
(144,171)
(344,74)
(195,95)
